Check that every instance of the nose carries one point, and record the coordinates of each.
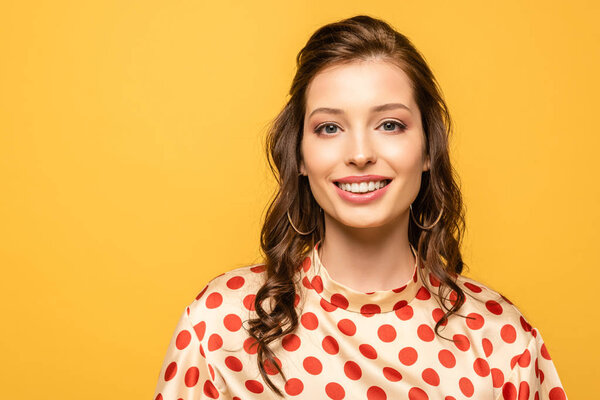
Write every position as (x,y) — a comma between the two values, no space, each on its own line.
(360,149)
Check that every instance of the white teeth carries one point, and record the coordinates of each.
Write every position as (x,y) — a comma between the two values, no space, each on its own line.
(362,187)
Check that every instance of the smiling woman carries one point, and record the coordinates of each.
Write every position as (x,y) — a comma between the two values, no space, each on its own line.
(360,295)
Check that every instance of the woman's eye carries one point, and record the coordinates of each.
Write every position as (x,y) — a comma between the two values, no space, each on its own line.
(392,124)
(329,128)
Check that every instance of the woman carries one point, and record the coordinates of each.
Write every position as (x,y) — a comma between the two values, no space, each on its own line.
(360,295)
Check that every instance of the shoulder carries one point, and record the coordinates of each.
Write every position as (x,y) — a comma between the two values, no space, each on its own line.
(493,316)
(224,303)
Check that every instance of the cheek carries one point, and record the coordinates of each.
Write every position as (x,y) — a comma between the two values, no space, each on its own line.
(403,158)
(319,160)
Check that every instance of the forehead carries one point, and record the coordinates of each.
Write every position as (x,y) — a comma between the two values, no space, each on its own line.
(359,84)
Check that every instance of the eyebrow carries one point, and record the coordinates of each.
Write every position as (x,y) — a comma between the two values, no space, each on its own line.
(383,107)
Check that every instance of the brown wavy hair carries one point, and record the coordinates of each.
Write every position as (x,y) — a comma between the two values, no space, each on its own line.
(358,38)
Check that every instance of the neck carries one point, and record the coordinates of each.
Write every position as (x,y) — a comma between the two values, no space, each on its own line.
(368,259)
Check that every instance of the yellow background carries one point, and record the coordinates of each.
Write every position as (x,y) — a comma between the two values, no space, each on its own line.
(132,168)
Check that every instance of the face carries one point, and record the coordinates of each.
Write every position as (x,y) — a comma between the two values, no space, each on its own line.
(361,119)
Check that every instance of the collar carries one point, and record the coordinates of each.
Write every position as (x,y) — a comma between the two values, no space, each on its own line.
(336,295)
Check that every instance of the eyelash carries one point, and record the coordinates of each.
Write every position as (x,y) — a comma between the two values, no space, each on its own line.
(319,128)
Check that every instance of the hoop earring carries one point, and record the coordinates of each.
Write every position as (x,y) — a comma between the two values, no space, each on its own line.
(296,229)
(425,227)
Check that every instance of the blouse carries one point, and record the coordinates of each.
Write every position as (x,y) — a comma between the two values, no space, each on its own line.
(354,345)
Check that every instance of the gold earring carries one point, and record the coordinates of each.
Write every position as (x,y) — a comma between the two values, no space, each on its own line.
(421,226)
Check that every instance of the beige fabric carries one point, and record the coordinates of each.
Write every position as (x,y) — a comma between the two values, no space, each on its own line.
(354,345)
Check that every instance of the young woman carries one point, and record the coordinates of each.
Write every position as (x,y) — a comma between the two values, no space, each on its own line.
(361,294)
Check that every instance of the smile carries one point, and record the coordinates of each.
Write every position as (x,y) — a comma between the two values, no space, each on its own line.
(363,187)
(364,192)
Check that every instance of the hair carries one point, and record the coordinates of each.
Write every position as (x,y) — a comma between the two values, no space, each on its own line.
(360,38)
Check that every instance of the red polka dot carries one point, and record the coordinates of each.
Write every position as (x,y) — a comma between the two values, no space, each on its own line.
(449,398)
(376,393)
(508,333)
(473,288)
(446,358)
(214,342)
(250,345)
(335,391)
(191,377)
(199,296)
(392,374)
(404,313)
(317,283)
(233,363)
(211,371)
(330,345)
(254,386)
(183,339)
(400,304)
(466,386)
(232,322)
(202,351)
(509,391)
(461,342)
(513,361)
(557,393)
(416,393)
(525,359)
(309,321)
(425,333)
(505,299)
(435,282)
(306,264)
(497,377)
(352,370)
(526,326)
(258,269)
(453,297)
(170,371)
(368,351)
(487,346)
(312,365)
(494,307)
(408,356)
(214,300)
(423,294)
(158,397)
(270,368)
(249,302)
(347,327)
(368,310)
(200,328)
(327,306)
(544,352)
(430,376)
(294,386)
(296,299)
(474,321)
(438,314)
(339,300)
(481,367)
(306,283)
(210,390)
(291,342)
(386,333)
(523,390)
(235,282)
(399,289)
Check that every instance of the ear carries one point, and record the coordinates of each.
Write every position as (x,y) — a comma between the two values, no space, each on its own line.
(427,164)
(302,169)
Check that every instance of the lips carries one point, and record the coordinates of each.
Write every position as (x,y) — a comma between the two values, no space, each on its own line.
(362,178)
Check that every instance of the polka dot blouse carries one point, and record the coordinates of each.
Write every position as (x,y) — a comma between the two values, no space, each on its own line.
(354,345)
